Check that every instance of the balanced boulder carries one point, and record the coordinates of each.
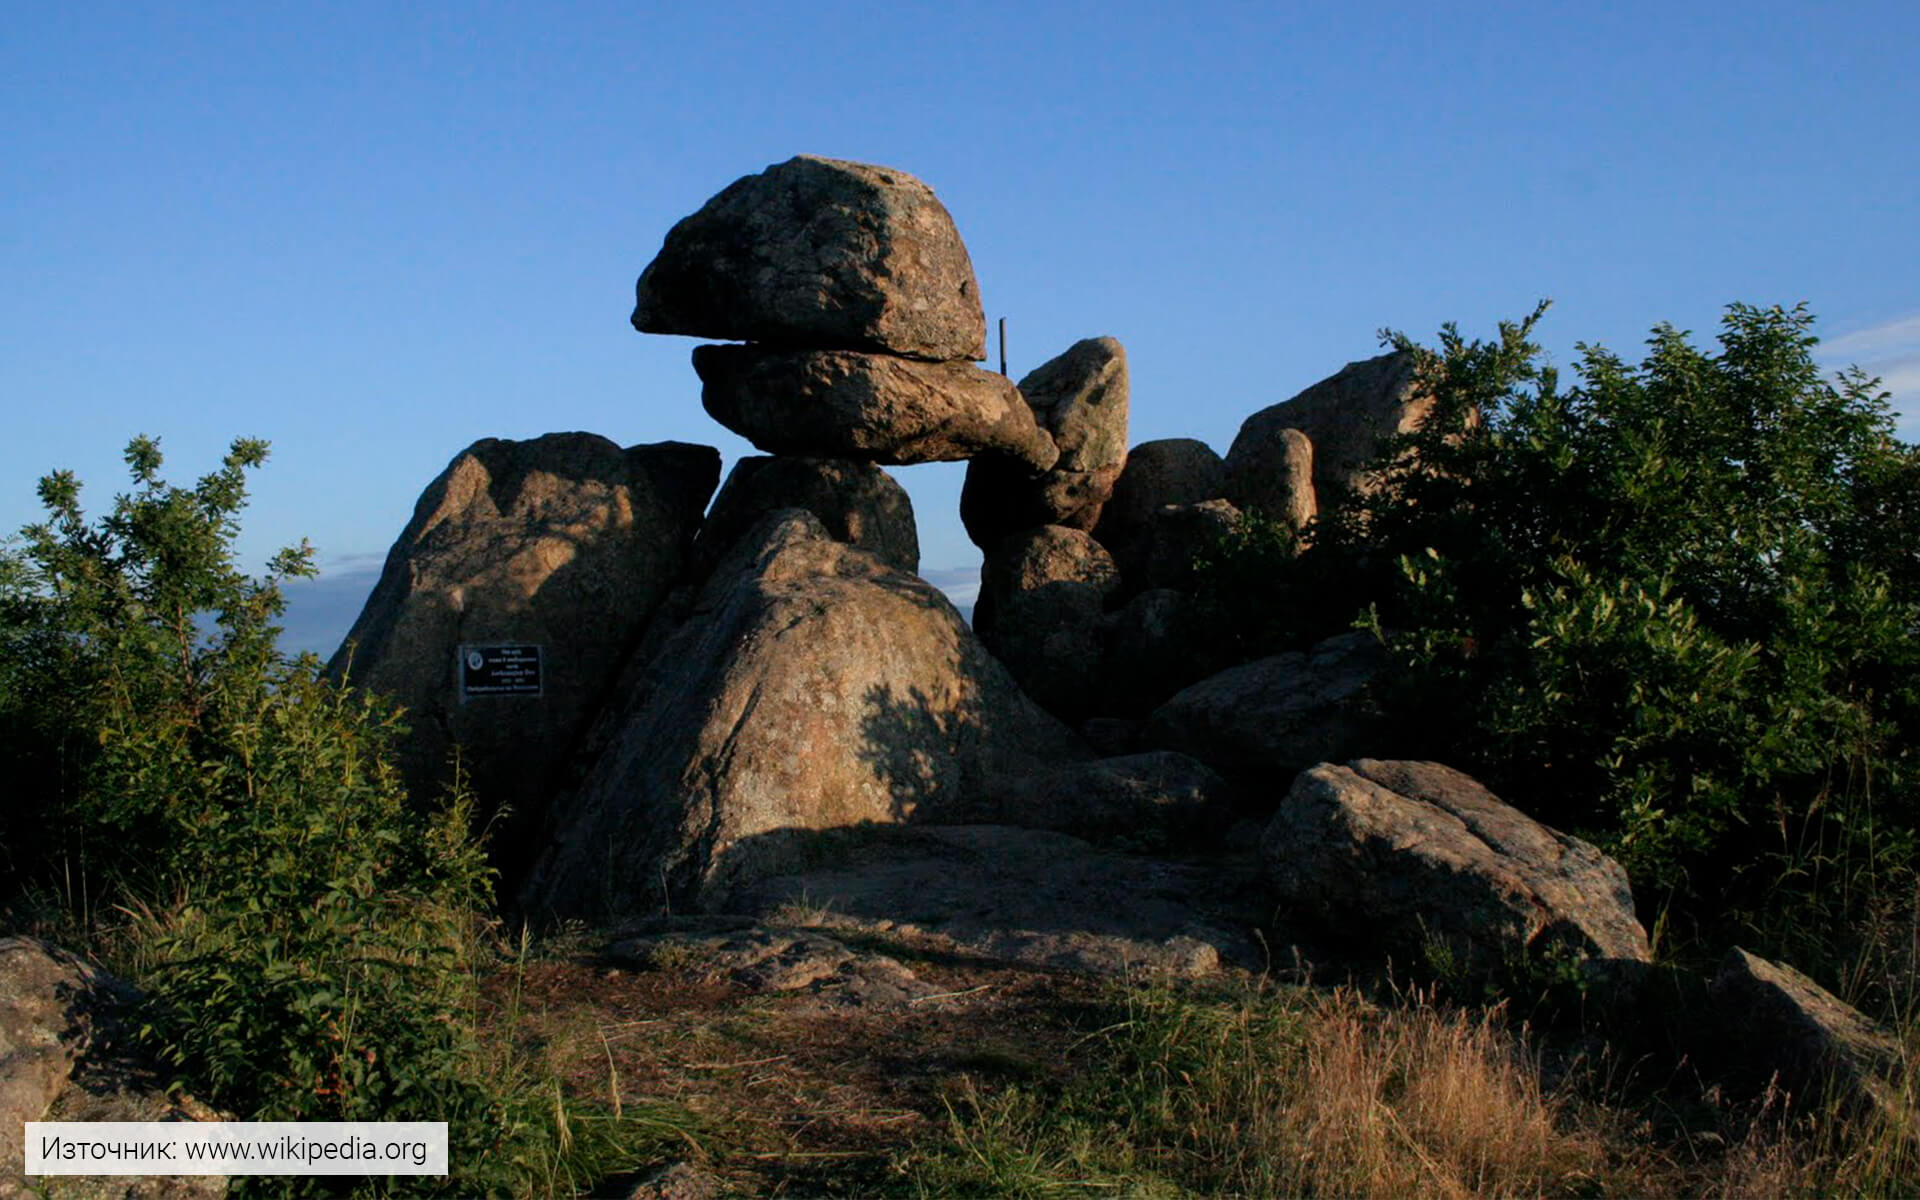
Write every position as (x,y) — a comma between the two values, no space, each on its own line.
(511,599)
(1346,418)
(1080,399)
(813,687)
(820,253)
(869,407)
(1413,853)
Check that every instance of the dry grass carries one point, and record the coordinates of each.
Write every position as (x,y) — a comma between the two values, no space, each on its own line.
(1282,1093)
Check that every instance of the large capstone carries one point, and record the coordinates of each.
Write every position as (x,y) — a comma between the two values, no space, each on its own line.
(819,253)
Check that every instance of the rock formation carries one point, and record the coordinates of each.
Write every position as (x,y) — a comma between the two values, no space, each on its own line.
(564,543)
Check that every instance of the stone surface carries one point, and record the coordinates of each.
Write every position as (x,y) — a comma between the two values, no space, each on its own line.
(772,957)
(61,1059)
(857,502)
(1157,473)
(1270,470)
(679,1181)
(566,542)
(1407,853)
(1042,594)
(1821,1048)
(1179,532)
(1345,417)
(1080,398)
(819,253)
(811,687)
(1149,649)
(1026,896)
(1279,714)
(869,407)
(1154,800)
(1112,737)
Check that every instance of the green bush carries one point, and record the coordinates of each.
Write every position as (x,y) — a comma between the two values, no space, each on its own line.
(307,935)
(1671,606)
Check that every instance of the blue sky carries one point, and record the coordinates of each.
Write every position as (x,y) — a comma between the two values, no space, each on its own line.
(374,233)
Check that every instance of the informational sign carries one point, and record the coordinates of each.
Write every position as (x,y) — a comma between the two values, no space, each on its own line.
(499,670)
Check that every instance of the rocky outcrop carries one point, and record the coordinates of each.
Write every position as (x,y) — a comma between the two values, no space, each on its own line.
(857,503)
(1821,1049)
(1149,801)
(1414,853)
(1042,595)
(1279,714)
(62,1059)
(1080,398)
(812,687)
(566,543)
(1346,418)
(1270,471)
(820,253)
(1158,473)
(870,407)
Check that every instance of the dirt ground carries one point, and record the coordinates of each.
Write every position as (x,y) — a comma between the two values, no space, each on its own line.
(799,1092)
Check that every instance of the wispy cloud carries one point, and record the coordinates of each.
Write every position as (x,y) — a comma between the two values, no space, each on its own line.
(1898,336)
(1890,350)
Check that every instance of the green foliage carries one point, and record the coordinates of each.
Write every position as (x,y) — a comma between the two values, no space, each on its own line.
(306,933)
(1670,606)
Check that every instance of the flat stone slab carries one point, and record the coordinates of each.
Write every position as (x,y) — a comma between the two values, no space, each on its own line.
(1025,896)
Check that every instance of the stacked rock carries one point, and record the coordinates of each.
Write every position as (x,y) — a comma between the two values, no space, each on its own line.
(860,315)
(801,678)
(1045,583)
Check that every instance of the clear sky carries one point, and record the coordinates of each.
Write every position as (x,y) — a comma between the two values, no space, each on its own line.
(374,232)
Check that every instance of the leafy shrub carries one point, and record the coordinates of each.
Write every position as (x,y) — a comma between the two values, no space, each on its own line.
(307,933)
(1671,606)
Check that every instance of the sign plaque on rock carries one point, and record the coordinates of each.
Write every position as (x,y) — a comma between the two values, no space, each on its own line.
(499,670)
